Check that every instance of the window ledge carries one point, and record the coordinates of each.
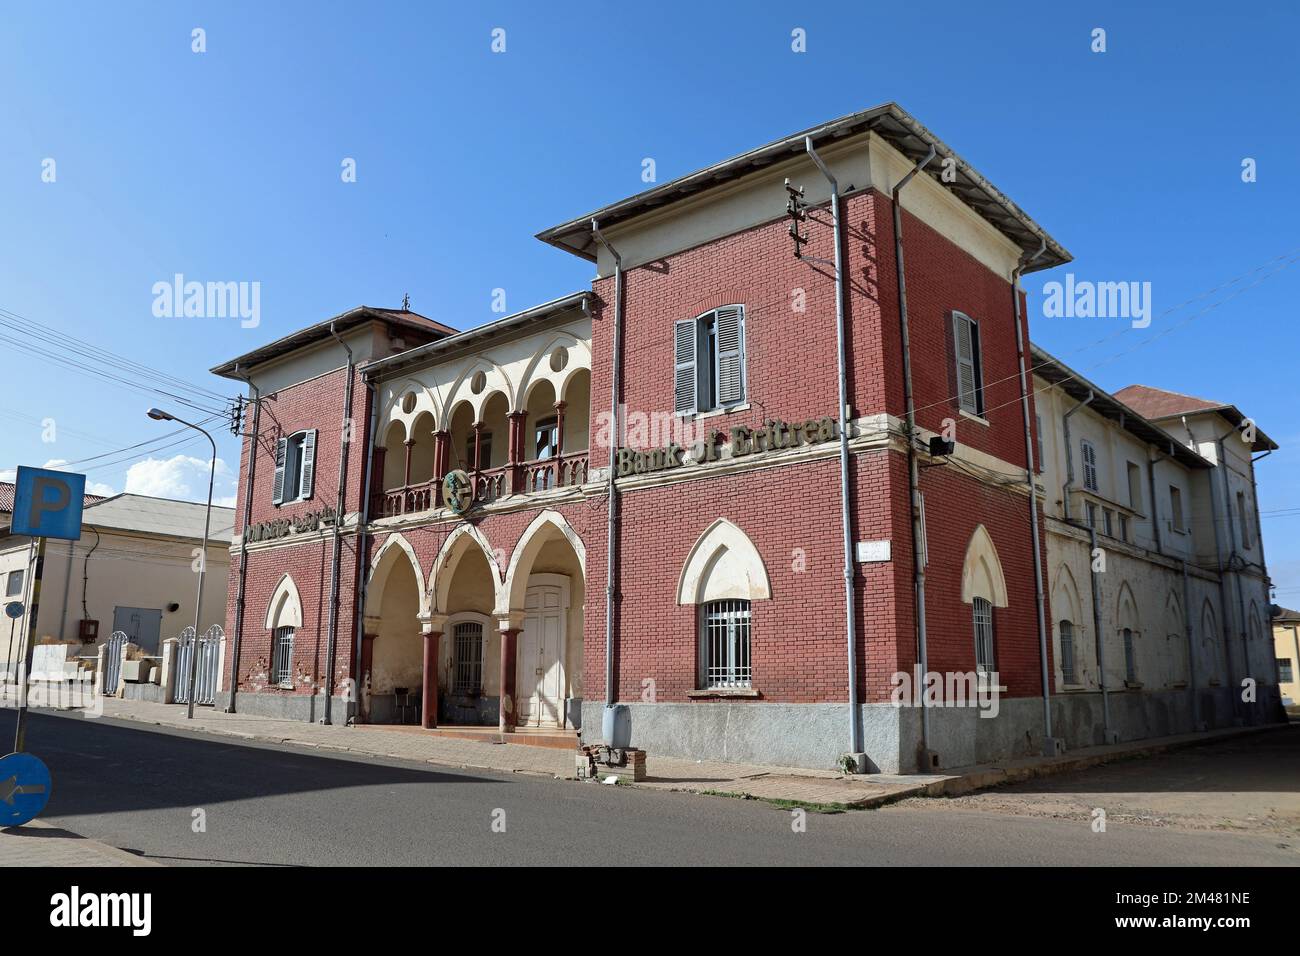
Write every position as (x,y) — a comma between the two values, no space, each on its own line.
(1072,688)
(1132,685)
(747,693)
(715,412)
(979,419)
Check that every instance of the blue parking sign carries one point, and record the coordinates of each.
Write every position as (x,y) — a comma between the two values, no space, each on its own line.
(47,504)
(24,788)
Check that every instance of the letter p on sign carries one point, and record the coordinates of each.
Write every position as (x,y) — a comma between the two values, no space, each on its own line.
(47,504)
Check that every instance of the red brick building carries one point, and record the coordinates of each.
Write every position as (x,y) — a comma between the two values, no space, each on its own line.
(470,542)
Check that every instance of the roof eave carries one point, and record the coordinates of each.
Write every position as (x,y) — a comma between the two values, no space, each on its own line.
(890,121)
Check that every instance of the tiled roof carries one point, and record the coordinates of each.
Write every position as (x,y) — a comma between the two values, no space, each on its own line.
(1158,405)
(1285,615)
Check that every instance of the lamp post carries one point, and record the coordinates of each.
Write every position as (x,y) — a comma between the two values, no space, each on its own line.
(158,415)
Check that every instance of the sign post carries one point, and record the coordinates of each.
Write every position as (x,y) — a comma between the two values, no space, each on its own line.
(47,504)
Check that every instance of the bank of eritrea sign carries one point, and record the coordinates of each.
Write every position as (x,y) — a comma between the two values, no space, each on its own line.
(774,435)
(457,491)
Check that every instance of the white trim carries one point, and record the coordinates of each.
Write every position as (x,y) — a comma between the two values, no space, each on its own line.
(285,607)
(516,588)
(981,572)
(720,538)
(439,586)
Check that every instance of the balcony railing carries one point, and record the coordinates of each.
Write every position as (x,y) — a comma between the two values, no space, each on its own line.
(490,484)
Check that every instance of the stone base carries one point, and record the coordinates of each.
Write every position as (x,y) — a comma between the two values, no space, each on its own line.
(305,707)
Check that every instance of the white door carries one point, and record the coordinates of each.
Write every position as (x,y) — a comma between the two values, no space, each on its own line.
(539,670)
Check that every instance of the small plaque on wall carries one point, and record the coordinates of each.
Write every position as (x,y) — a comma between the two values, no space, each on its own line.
(870,552)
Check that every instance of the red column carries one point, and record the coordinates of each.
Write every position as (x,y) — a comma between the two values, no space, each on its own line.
(509,705)
(559,428)
(429,708)
(478,447)
(441,454)
(406,480)
(516,446)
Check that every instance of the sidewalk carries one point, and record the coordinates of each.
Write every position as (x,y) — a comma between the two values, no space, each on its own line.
(821,789)
(40,844)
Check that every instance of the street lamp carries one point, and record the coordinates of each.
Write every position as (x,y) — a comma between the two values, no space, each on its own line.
(158,415)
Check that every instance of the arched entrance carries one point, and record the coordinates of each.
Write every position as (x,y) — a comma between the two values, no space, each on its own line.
(392,660)
(545,593)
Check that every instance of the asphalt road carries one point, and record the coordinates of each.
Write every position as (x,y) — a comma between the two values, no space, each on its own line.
(283,806)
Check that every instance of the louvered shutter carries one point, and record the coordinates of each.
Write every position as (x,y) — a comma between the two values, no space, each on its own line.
(730,332)
(307,480)
(684,379)
(277,487)
(963,337)
(1089,466)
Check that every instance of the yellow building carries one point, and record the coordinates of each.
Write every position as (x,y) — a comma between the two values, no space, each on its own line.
(1286,647)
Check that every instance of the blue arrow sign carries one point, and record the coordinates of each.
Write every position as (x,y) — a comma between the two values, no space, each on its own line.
(24,788)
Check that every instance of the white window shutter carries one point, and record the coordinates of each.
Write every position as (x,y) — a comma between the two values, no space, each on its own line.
(1089,465)
(730,331)
(964,346)
(307,479)
(684,377)
(277,488)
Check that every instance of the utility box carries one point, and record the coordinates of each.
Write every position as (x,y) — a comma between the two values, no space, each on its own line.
(88,631)
(136,672)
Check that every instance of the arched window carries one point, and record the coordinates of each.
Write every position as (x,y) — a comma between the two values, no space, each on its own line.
(724,643)
(982,613)
(1067,653)
(282,657)
(1130,656)
(283,618)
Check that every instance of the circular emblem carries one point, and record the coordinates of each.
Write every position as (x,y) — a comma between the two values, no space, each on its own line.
(457,491)
(14,609)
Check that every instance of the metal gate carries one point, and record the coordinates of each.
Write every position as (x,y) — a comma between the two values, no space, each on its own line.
(209,651)
(113,662)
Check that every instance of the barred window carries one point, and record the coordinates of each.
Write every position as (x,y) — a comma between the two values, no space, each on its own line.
(724,639)
(1067,652)
(1130,656)
(982,612)
(467,658)
(282,656)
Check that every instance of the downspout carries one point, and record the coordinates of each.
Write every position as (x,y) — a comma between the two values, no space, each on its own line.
(1155,512)
(85,577)
(1069,455)
(913,468)
(1232,550)
(1099,638)
(1050,748)
(850,602)
(67,593)
(1223,590)
(1259,531)
(237,642)
(611,543)
(1191,650)
(363,537)
(345,441)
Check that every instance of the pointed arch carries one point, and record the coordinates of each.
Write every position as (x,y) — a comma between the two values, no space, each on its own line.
(580,360)
(1065,596)
(538,532)
(1126,609)
(394,548)
(465,536)
(981,573)
(285,606)
(426,400)
(723,564)
(497,381)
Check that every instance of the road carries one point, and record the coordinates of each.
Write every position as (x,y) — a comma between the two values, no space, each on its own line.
(146,790)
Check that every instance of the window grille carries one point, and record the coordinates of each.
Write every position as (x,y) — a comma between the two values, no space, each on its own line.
(282,656)
(1130,657)
(725,632)
(1067,653)
(982,612)
(467,658)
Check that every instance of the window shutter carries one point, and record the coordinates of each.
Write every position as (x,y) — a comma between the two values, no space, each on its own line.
(277,488)
(730,331)
(1089,466)
(684,379)
(307,480)
(963,336)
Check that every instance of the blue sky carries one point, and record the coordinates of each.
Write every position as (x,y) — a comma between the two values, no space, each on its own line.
(225,166)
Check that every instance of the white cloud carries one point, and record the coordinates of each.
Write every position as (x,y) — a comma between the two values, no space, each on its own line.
(183,477)
(58,464)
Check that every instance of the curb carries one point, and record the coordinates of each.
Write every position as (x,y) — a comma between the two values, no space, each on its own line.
(114,854)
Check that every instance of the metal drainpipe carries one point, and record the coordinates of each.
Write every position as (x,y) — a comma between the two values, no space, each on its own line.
(345,435)
(1232,550)
(1048,749)
(1223,591)
(616,384)
(1191,650)
(243,544)
(850,601)
(1151,487)
(363,536)
(913,468)
(1099,638)
(1259,531)
(1069,456)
